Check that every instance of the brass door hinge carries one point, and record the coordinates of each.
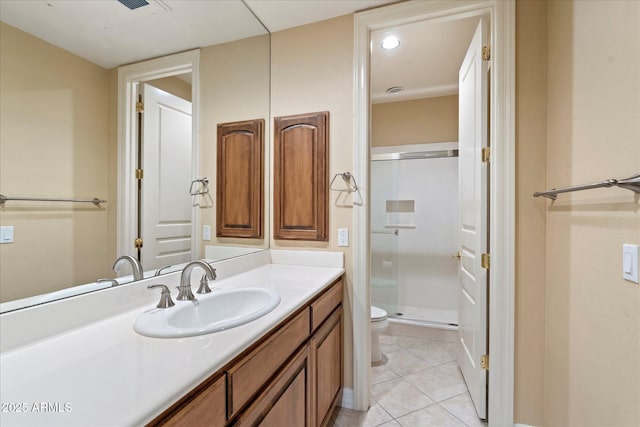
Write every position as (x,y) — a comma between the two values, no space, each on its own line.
(486,53)
(139,173)
(139,107)
(484,362)
(485,261)
(486,154)
(138,243)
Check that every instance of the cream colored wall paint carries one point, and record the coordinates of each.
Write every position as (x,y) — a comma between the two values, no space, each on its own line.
(592,349)
(312,70)
(234,85)
(531,135)
(416,121)
(39,84)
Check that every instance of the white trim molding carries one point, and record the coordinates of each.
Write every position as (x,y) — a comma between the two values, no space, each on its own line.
(128,78)
(502,207)
(347,398)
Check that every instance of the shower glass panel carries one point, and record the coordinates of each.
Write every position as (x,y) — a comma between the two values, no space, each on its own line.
(384,238)
(414,218)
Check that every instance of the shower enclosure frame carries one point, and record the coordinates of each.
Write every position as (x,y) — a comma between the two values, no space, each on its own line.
(413,274)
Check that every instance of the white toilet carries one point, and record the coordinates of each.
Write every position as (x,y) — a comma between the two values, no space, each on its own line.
(379,323)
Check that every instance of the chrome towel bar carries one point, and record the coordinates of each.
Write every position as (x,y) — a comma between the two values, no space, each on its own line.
(632,183)
(95,200)
(394,232)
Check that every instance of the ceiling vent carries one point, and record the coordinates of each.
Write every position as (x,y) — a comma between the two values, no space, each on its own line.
(134,4)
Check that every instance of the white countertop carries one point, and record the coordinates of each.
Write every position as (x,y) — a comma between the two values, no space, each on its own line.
(105,374)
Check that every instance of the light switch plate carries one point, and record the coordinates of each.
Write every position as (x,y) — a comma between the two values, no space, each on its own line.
(206,232)
(6,234)
(343,237)
(630,262)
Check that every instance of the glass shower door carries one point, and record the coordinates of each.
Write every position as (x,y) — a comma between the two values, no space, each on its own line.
(384,237)
(414,216)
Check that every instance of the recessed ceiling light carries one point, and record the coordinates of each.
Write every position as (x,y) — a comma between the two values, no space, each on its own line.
(390,42)
(395,89)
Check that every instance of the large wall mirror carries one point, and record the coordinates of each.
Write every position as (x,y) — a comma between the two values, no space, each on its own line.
(61,137)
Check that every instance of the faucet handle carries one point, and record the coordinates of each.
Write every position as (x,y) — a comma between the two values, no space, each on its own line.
(204,285)
(113,282)
(159,271)
(165,296)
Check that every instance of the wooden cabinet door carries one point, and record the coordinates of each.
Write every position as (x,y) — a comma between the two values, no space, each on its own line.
(287,399)
(301,177)
(201,408)
(240,195)
(291,408)
(326,348)
(252,372)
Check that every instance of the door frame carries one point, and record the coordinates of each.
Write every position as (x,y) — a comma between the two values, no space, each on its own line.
(501,181)
(128,78)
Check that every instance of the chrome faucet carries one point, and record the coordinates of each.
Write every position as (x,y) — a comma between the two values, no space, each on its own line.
(184,289)
(138,274)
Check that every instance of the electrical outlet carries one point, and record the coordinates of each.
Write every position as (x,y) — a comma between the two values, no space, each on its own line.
(206,232)
(343,237)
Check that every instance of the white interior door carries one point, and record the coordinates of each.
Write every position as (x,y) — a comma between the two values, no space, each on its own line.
(473,226)
(166,210)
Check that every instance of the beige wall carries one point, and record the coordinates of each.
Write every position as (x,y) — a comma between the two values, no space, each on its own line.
(312,70)
(416,121)
(234,85)
(592,349)
(531,118)
(578,121)
(54,143)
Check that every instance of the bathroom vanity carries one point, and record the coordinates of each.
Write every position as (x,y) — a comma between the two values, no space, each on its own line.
(292,376)
(87,366)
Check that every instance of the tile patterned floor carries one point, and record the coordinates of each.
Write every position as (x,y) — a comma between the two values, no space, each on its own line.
(420,385)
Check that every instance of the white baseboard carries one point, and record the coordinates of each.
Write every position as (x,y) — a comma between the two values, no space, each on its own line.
(522,425)
(347,398)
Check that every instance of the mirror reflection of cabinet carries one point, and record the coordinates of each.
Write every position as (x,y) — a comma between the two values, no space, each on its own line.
(240,196)
(301,180)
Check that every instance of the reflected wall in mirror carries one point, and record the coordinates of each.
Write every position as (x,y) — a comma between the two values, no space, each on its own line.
(59,139)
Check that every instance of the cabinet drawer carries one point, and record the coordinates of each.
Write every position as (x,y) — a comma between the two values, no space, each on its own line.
(249,375)
(208,408)
(323,306)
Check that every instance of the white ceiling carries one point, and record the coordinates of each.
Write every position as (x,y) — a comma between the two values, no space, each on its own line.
(425,64)
(109,34)
(278,15)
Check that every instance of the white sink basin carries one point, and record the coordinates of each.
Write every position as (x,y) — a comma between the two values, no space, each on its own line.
(214,312)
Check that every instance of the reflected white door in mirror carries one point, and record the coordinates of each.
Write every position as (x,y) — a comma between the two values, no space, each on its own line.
(167,156)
